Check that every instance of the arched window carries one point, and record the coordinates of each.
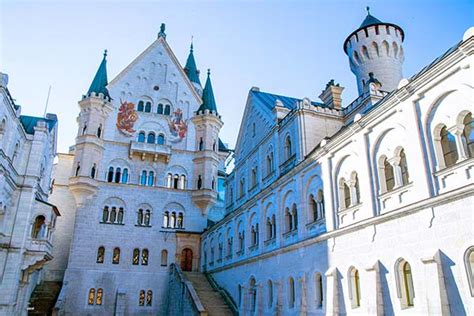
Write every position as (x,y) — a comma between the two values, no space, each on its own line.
(201,144)
(100,255)
(150,138)
(149,297)
(469,264)
(169,180)
(389,175)
(116,256)
(151,178)
(110,174)
(354,287)
(270,293)
(313,208)
(175,181)
(84,129)
(140,217)
(274,225)
(468,134)
(180,220)
(136,256)
(113,214)
(294,213)
(404,168)
(98,299)
(289,220)
(291,292)
(118,173)
(253,294)
(182,182)
(173,220)
(448,146)
(141,137)
(346,194)
(322,210)
(214,147)
(254,177)
(140,106)
(270,163)
(147,217)
(254,231)
(164,258)
(166,219)
(99,131)
(167,109)
(144,257)
(93,170)
(143,178)
(125,175)
(160,108)
(199,182)
(288,149)
(148,107)
(141,298)
(161,139)
(239,289)
(242,187)
(318,286)
(91,297)
(120,216)
(39,228)
(405,288)
(105,214)
(269,226)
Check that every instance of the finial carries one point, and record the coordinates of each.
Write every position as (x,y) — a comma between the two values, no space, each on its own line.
(105,53)
(192,47)
(368,10)
(162,31)
(208,72)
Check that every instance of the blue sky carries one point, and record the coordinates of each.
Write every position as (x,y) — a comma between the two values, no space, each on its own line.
(284,47)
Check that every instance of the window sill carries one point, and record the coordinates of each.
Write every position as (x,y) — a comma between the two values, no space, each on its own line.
(269,242)
(458,164)
(396,190)
(350,208)
(138,225)
(315,223)
(290,233)
(109,223)
(253,247)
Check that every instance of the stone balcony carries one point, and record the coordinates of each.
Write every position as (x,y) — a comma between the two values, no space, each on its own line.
(42,246)
(147,150)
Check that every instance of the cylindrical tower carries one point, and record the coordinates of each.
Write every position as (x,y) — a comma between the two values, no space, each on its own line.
(376,47)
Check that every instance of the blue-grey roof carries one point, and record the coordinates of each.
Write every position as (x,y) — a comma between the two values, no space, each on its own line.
(29,122)
(268,100)
(370,20)
(222,146)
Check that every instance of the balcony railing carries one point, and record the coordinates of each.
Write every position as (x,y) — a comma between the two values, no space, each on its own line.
(150,150)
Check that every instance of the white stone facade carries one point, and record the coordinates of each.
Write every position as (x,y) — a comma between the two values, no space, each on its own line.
(27,220)
(374,216)
(149,213)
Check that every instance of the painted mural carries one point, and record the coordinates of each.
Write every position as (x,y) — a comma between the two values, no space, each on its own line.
(126,118)
(178,126)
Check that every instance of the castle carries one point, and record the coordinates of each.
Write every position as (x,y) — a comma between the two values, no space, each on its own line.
(331,208)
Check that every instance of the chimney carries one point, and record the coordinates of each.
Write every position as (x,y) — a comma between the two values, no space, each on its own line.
(331,96)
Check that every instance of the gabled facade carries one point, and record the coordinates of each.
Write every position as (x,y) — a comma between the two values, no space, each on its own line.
(138,187)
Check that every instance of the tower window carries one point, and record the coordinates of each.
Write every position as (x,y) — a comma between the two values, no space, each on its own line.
(148,107)
(140,106)
(160,108)
(167,109)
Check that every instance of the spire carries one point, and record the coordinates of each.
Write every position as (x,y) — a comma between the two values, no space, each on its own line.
(99,83)
(208,101)
(190,69)
(370,19)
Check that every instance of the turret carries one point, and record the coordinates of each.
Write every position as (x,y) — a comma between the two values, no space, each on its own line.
(94,107)
(376,47)
(191,70)
(207,123)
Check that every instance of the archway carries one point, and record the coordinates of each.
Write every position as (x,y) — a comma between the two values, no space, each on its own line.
(187,260)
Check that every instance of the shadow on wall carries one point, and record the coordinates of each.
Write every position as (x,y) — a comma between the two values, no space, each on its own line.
(387,302)
(340,294)
(454,298)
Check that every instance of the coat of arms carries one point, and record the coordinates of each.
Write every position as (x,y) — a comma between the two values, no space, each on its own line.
(126,118)
(178,126)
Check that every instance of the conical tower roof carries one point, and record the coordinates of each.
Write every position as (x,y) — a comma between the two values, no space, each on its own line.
(191,69)
(208,101)
(100,82)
